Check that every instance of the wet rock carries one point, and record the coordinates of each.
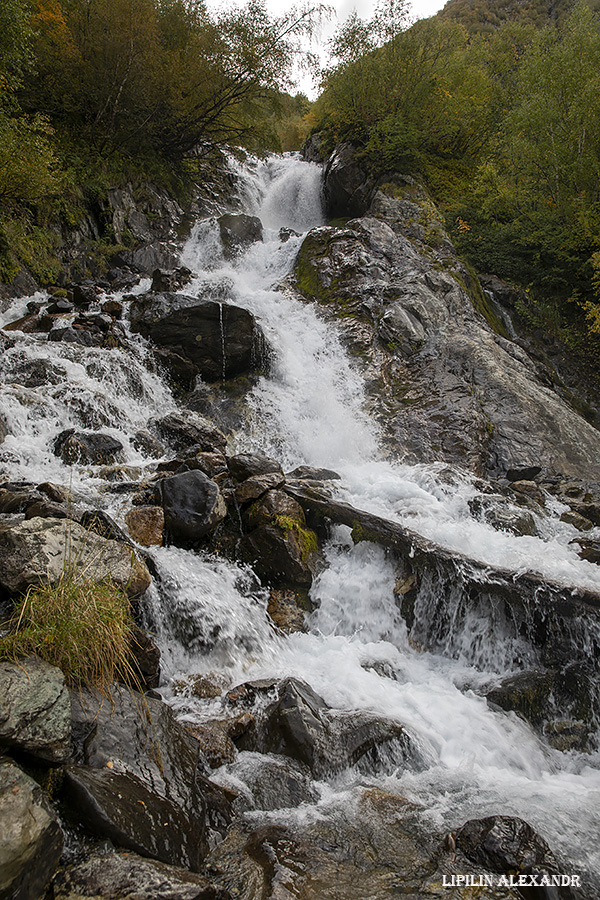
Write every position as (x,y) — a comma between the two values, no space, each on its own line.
(38,552)
(577,521)
(272,782)
(140,739)
(506,844)
(193,505)
(204,687)
(71,335)
(347,188)
(530,490)
(248,465)
(147,444)
(589,510)
(215,742)
(58,493)
(279,544)
(35,709)
(300,725)
(113,308)
(126,876)
(31,841)
(238,232)
(590,550)
(87,448)
(256,486)
(566,735)
(314,474)
(45,509)
(122,278)
(18,501)
(170,279)
(287,610)
(211,464)
(3,430)
(184,431)
(29,324)
(222,340)
(145,656)
(526,473)
(503,516)
(181,372)
(528,693)
(146,525)
(101,523)
(83,293)
(118,806)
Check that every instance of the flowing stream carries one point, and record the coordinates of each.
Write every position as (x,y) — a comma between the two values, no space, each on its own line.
(474,761)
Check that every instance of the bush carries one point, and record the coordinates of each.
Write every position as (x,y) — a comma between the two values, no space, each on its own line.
(84,627)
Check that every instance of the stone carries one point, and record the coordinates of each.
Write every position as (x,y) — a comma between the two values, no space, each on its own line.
(145,656)
(31,839)
(45,509)
(528,693)
(506,844)
(314,474)
(300,725)
(140,737)
(279,544)
(256,486)
(247,465)
(193,505)
(170,279)
(285,610)
(146,525)
(272,783)
(83,293)
(181,372)
(87,448)
(147,444)
(127,876)
(35,709)
(3,429)
(101,523)
(526,473)
(502,515)
(39,551)
(576,520)
(589,550)
(82,336)
(347,188)
(222,340)
(215,742)
(238,232)
(184,431)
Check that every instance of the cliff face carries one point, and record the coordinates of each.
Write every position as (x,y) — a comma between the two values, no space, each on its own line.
(443,376)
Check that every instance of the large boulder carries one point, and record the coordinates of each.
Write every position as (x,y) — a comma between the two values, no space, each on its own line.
(186,430)
(41,551)
(91,448)
(347,187)
(248,465)
(193,505)
(35,709)
(222,340)
(127,876)
(279,543)
(140,779)
(300,725)
(238,232)
(31,839)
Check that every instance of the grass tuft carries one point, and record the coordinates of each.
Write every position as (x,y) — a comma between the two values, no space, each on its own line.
(84,627)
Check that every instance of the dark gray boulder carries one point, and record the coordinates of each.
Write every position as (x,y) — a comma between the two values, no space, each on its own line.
(238,232)
(347,187)
(31,841)
(300,725)
(193,506)
(185,430)
(127,876)
(247,465)
(87,448)
(35,709)
(170,279)
(222,340)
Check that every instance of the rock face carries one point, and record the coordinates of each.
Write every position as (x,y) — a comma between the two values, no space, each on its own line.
(222,340)
(444,384)
(31,841)
(39,551)
(193,505)
(35,709)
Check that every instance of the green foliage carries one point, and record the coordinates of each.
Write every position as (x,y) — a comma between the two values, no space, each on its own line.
(28,166)
(83,627)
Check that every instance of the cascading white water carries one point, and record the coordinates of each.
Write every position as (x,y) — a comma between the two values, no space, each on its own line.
(211,616)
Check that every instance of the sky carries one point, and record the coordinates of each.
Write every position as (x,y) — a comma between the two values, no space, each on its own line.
(419,9)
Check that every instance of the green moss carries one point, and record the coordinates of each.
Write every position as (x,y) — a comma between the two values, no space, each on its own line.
(480,301)
(305,538)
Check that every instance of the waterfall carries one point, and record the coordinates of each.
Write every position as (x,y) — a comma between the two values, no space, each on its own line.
(210,615)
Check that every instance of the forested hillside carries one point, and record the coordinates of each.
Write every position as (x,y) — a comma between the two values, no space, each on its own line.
(94,93)
(504,128)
